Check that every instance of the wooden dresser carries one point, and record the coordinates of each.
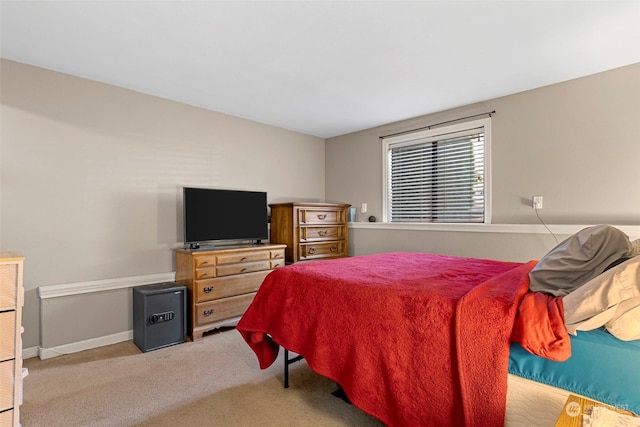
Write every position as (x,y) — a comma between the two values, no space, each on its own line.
(311,231)
(11,302)
(221,283)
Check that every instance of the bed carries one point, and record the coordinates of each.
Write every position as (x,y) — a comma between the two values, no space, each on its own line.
(419,339)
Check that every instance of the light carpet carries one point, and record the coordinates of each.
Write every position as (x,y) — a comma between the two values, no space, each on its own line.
(212,382)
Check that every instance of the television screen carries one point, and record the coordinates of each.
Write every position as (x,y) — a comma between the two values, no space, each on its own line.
(216,214)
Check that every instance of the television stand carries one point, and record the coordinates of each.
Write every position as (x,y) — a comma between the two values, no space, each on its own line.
(222,281)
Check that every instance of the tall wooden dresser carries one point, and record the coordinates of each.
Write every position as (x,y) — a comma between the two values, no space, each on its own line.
(11,302)
(221,283)
(311,231)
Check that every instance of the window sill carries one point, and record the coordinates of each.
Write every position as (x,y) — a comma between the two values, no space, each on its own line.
(633,231)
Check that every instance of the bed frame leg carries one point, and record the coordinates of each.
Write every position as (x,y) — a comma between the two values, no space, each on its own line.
(288,362)
(286,368)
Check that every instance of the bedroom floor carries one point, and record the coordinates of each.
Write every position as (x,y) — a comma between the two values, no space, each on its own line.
(215,381)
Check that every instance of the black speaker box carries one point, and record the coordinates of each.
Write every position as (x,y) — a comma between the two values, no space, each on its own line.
(159,315)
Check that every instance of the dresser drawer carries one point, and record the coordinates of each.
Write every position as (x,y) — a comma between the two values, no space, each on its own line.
(205,273)
(277,254)
(8,286)
(7,335)
(330,232)
(322,250)
(320,216)
(7,371)
(235,258)
(204,261)
(207,290)
(224,308)
(242,268)
(6,418)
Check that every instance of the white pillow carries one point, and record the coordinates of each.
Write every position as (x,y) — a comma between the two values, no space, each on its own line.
(635,247)
(601,299)
(626,325)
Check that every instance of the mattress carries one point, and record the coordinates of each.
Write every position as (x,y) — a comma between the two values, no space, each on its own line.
(532,404)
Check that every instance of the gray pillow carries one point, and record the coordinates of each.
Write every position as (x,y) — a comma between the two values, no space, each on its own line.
(578,259)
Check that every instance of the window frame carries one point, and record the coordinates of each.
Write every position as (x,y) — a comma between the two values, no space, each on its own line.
(418,137)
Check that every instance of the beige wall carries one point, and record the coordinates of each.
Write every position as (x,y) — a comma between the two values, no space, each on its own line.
(575,143)
(91,178)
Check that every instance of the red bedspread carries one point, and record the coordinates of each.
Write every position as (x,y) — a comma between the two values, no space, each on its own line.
(413,339)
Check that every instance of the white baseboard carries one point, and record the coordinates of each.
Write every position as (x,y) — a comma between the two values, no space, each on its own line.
(29,352)
(47,353)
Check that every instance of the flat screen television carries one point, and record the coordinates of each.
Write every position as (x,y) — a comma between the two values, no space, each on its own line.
(219,215)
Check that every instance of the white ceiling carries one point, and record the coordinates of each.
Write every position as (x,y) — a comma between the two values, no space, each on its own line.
(324,68)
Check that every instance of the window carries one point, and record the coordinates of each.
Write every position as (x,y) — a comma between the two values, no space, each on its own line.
(438,175)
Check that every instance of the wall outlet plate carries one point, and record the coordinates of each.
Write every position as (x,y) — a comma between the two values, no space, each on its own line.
(537,202)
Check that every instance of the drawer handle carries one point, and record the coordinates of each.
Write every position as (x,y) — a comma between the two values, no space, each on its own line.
(208,289)
(206,273)
(322,233)
(334,248)
(244,269)
(312,250)
(244,258)
(205,262)
(276,255)
(276,265)
(322,216)
(208,312)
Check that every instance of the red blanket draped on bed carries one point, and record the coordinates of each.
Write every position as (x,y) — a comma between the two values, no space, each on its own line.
(413,339)
(539,327)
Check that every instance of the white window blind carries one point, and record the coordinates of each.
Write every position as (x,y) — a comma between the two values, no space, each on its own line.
(438,176)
